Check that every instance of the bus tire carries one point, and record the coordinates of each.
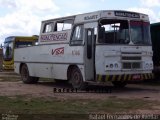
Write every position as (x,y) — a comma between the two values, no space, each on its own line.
(25,75)
(76,79)
(119,84)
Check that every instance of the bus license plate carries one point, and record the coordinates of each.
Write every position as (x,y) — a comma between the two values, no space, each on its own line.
(136,77)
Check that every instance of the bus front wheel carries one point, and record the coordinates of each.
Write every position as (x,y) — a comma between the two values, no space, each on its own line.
(25,75)
(76,79)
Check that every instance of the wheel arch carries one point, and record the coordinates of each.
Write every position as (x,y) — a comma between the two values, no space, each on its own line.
(70,67)
(21,64)
(25,75)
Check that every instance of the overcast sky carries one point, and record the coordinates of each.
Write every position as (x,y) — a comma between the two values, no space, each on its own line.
(23,17)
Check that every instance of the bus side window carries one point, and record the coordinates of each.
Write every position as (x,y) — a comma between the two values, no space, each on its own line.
(48,27)
(77,36)
(63,25)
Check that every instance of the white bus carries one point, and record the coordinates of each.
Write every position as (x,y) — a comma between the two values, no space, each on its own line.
(87,48)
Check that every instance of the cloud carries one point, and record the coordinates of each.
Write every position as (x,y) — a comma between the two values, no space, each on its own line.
(75,5)
(149,7)
(36,6)
(151,3)
(152,15)
(7,3)
(19,24)
(159,15)
(25,16)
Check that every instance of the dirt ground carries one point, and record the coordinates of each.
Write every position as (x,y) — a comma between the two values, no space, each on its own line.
(45,90)
(12,86)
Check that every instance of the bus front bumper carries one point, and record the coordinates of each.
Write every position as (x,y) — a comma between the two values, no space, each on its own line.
(124,77)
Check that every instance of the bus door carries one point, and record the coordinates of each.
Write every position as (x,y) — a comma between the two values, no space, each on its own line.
(89,51)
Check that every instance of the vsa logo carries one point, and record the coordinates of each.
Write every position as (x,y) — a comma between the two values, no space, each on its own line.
(58,51)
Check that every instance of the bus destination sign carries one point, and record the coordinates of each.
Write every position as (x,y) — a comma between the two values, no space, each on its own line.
(126,14)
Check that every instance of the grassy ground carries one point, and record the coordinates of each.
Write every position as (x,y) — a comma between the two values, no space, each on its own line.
(9,79)
(14,78)
(69,108)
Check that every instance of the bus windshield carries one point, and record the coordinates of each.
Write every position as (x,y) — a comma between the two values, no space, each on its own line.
(118,32)
(8,50)
(140,32)
(114,31)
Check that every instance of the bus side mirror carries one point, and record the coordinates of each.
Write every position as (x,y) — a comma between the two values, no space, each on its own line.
(101,33)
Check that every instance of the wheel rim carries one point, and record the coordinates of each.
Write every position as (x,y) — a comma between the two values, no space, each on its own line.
(76,78)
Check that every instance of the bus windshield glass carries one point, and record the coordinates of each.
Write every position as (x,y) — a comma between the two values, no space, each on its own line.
(140,32)
(114,31)
(124,32)
(8,50)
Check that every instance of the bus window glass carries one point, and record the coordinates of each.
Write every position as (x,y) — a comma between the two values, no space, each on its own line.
(77,37)
(48,28)
(59,26)
(8,51)
(114,31)
(140,32)
(63,25)
(67,24)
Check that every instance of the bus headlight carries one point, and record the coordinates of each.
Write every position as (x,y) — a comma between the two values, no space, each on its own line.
(151,65)
(112,66)
(148,65)
(116,65)
(147,53)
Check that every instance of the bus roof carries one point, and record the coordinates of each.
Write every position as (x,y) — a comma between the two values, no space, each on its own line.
(20,38)
(93,16)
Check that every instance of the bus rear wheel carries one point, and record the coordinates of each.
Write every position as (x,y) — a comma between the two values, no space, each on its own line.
(25,75)
(119,84)
(76,79)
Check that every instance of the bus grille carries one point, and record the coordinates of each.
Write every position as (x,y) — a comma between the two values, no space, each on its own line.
(129,65)
(131,60)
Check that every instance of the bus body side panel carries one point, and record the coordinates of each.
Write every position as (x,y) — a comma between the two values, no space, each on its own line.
(49,61)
